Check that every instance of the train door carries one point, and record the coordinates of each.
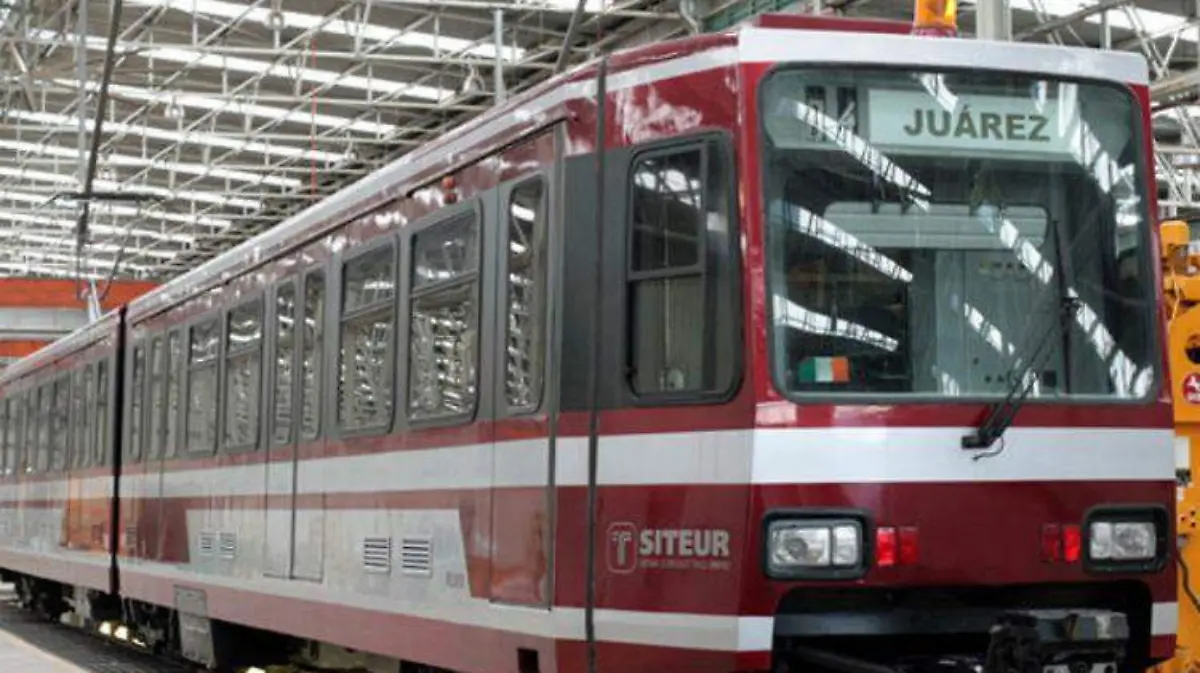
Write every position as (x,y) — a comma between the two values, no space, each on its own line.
(520,357)
(295,526)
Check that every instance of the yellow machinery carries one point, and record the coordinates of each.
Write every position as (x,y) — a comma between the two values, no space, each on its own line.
(1181,292)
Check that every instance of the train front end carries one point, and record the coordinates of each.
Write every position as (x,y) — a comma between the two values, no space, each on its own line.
(963,446)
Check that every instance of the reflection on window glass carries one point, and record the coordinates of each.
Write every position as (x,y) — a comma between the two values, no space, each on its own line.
(285,363)
(243,369)
(89,424)
(12,439)
(443,339)
(680,289)
(365,375)
(201,426)
(526,296)
(313,346)
(926,233)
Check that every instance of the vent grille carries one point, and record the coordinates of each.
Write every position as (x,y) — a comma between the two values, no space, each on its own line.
(229,544)
(208,543)
(416,556)
(377,555)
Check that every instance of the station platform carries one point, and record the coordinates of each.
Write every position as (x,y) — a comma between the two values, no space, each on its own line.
(30,645)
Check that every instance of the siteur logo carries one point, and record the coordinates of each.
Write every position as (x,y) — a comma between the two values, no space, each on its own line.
(630,548)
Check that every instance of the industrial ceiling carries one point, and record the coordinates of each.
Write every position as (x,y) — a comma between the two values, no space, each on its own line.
(223,117)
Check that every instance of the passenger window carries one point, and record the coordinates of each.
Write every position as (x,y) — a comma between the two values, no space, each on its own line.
(202,387)
(4,426)
(102,411)
(60,425)
(443,339)
(137,394)
(175,365)
(285,364)
(526,296)
(681,321)
(365,374)
(78,429)
(313,334)
(154,427)
(87,447)
(45,404)
(19,432)
(243,369)
(11,438)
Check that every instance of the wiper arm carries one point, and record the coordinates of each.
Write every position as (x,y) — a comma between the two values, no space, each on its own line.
(1001,415)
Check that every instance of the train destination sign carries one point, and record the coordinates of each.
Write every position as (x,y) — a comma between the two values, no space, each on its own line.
(978,123)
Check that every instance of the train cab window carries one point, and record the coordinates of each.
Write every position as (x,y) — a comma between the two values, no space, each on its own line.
(365,374)
(155,402)
(443,339)
(526,296)
(174,369)
(313,346)
(78,429)
(137,395)
(202,387)
(60,426)
(243,372)
(284,379)
(100,439)
(681,320)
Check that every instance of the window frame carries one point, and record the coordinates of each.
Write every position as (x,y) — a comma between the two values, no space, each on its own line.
(135,405)
(544,295)
(337,428)
(474,207)
(294,282)
(322,352)
(154,448)
(731,284)
(224,356)
(186,450)
(176,373)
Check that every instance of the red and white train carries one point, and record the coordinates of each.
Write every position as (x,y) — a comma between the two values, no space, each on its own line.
(738,393)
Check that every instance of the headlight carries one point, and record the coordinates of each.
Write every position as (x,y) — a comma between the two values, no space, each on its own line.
(1129,541)
(813,547)
(1126,539)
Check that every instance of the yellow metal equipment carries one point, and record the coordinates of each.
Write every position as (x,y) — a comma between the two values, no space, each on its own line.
(1181,291)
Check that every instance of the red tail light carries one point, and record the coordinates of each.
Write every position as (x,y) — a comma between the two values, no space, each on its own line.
(908,546)
(885,547)
(1072,543)
(1051,543)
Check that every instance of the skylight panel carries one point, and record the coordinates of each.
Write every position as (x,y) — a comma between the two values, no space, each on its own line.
(126,211)
(110,185)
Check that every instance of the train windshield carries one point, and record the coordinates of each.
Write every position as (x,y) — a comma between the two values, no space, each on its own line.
(924,231)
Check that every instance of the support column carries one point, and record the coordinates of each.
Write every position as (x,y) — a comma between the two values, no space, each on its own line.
(993,20)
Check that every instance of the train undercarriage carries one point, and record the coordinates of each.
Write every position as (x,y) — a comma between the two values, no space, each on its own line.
(906,631)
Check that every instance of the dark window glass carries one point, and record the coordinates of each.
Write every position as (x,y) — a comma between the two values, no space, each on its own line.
(365,376)
(243,369)
(89,423)
(443,340)
(285,364)
(156,403)
(525,352)
(681,319)
(314,346)
(60,424)
(78,431)
(45,407)
(202,387)
(137,395)
(176,364)
(103,406)
(4,426)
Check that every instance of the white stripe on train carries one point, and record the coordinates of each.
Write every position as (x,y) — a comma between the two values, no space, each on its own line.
(783,456)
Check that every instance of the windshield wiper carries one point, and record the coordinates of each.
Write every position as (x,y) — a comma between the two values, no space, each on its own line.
(1001,415)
